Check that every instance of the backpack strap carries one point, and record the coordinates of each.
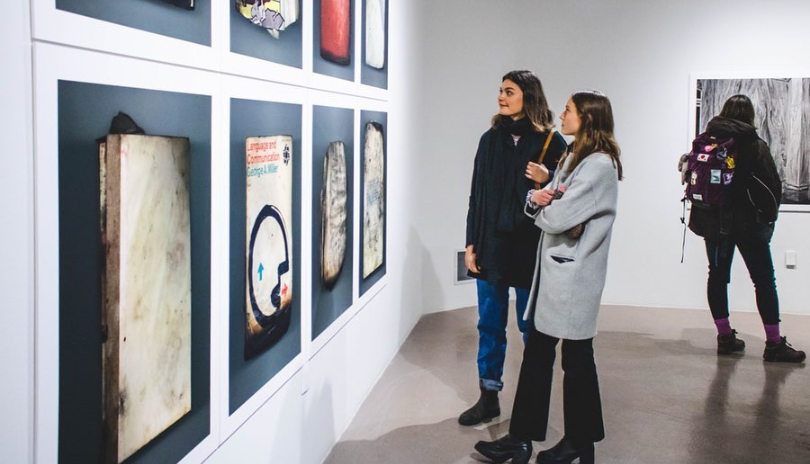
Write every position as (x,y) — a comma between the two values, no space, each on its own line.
(683,221)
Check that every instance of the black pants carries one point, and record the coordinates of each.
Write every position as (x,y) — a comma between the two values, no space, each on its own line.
(582,405)
(756,252)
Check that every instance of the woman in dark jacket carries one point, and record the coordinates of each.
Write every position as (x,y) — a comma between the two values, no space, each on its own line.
(501,239)
(747,224)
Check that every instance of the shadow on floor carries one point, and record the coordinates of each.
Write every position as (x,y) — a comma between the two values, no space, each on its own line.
(668,399)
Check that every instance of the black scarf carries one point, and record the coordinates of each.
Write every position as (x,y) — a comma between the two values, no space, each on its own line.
(520,127)
(510,211)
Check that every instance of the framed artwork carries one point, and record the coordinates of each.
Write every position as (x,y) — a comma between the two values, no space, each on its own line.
(134,267)
(333,38)
(373,172)
(265,248)
(332,214)
(188,20)
(268,30)
(782,109)
(374,68)
(269,292)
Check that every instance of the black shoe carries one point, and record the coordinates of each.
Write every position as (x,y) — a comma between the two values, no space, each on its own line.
(566,452)
(484,410)
(506,447)
(782,352)
(729,343)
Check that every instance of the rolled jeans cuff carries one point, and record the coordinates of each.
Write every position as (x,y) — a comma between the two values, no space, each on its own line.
(492,385)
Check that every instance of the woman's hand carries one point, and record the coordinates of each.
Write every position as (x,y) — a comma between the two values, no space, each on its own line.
(469,260)
(542,197)
(537,172)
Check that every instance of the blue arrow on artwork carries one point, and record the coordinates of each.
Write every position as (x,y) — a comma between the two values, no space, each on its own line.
(261,269)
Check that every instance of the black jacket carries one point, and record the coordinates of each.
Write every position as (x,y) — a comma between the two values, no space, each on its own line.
(504,239)
(756,190)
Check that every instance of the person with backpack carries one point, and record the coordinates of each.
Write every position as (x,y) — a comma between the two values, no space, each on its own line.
(575,214)
(518,152)
(735,191)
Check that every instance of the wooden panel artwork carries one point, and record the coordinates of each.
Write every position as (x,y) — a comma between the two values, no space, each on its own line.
(146,289)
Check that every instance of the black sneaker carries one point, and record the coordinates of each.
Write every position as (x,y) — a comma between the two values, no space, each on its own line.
(782,352)
(729,343)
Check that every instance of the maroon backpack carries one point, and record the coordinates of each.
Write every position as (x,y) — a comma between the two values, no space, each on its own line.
(709,172)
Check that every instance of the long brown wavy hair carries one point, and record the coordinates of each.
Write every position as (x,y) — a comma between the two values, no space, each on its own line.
(535,104)
(595,132)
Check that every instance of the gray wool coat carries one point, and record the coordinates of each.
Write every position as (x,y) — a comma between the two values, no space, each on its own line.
(569,275)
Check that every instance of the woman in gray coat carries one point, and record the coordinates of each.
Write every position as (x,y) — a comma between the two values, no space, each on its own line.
(576,213)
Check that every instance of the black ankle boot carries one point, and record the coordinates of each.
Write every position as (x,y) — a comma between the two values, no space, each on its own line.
(484,410)
(782,352)
(566,452)
(506,447)
(729,343)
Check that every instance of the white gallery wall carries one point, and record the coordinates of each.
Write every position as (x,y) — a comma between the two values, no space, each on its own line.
(16,237)
(299,418)
(641,54)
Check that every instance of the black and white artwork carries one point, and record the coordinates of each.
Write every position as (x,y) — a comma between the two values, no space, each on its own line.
(782,107)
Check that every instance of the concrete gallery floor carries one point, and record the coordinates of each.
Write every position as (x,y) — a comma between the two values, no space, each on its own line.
(667,396)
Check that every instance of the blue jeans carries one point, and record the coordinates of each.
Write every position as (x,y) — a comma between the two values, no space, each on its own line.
(493,309)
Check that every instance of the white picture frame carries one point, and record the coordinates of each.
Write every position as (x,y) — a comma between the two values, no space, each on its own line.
(743,80)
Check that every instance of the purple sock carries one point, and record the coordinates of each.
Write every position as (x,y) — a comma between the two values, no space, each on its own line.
(723,326)
(772,333)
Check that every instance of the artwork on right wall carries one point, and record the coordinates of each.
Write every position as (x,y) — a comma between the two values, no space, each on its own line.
(782,108)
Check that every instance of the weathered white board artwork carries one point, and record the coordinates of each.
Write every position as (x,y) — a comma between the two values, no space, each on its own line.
(374,198)
(375,33)
(269,279)
(782,108)
(146,289)
(333,209)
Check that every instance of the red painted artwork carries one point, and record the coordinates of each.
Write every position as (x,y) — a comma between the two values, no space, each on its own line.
(336,30)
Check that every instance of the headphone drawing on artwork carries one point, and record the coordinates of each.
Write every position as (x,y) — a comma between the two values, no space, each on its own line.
(269,211)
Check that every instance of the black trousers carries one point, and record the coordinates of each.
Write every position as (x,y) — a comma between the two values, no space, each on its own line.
(582,405)
(756,252)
